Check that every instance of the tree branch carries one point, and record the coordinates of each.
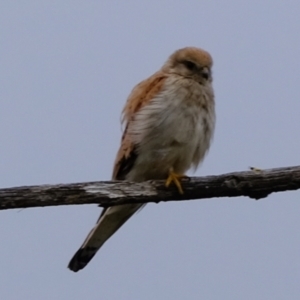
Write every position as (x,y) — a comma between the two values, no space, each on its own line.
(255,184)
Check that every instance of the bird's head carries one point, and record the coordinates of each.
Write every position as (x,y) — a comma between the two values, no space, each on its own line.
(190,62)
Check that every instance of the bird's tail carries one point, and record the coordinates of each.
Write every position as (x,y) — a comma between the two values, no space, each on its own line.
(110,220)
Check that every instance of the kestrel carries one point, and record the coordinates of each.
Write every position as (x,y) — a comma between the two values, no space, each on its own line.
(169,123)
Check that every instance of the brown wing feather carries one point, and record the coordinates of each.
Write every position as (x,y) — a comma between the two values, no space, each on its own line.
(140,96)
(126,157)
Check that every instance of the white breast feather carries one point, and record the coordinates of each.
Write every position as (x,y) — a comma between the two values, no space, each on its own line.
(172,130)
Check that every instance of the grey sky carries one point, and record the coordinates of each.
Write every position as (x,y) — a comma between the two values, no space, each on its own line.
(66,68)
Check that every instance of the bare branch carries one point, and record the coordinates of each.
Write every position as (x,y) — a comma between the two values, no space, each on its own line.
(255,184)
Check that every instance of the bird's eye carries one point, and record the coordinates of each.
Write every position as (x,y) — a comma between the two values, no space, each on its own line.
(190,65)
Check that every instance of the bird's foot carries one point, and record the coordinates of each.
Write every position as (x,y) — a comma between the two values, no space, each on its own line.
(176,178)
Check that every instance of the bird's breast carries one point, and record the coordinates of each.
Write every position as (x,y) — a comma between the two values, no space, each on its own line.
(174,129)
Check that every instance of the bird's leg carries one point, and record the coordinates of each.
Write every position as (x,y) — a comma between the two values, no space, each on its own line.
(174,177)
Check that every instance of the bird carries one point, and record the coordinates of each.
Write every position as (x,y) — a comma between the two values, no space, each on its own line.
(169,120)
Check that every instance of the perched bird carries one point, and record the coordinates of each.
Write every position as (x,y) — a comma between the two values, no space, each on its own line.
(169,123)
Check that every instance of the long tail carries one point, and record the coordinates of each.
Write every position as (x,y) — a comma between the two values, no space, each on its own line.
(110,220)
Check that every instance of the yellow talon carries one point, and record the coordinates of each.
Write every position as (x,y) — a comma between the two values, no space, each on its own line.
(174,177)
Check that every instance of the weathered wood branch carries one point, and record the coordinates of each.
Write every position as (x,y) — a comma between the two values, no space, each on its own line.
(255,184)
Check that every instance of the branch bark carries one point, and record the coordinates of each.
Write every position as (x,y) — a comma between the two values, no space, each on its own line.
(255,184)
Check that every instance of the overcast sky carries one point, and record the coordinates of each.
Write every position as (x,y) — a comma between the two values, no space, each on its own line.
(66,69)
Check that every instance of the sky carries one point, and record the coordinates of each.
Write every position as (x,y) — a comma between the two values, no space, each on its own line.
(66,69)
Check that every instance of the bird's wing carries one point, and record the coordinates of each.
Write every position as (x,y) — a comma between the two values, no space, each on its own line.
(139,97)
(112,218)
